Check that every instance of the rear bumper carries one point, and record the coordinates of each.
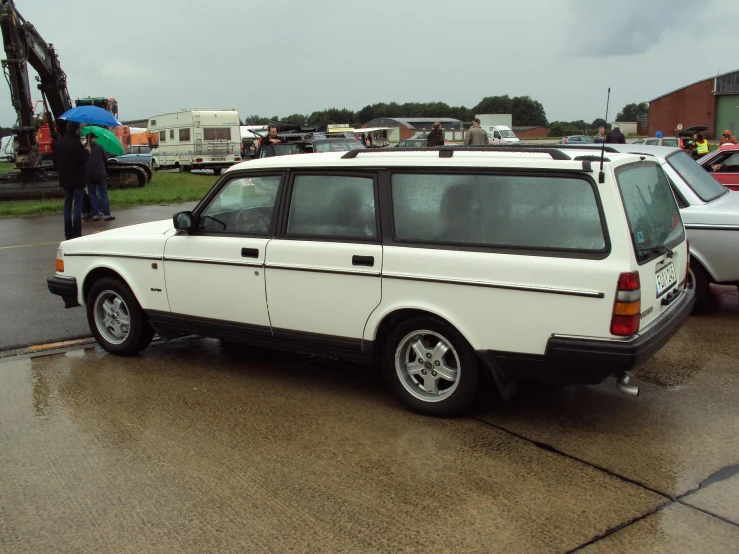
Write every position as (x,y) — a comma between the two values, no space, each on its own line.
(66,287)
(581,360)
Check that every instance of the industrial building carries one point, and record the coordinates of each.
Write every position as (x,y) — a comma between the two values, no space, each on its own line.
(409,126)
(712,102)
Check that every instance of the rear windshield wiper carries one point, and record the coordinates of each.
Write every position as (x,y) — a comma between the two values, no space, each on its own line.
(658,250)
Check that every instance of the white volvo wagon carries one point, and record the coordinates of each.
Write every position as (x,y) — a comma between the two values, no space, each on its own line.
(438,264)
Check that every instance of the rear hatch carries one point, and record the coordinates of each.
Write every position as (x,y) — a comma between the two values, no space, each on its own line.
(657,236)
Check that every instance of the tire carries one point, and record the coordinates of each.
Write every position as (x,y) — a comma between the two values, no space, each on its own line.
(154,165)
(420,336)
(217,171)
(700,281)
(110,294)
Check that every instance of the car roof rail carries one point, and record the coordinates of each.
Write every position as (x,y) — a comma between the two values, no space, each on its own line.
(583,146)
(448,152)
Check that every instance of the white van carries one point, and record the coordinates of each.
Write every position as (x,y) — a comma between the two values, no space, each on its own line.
(436,265)
(501,134)
(196,139)
(7,149)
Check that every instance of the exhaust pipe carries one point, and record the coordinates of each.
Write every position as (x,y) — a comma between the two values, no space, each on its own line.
(623,385)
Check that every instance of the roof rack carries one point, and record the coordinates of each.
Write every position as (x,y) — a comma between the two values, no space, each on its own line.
(585,146)
(448,152)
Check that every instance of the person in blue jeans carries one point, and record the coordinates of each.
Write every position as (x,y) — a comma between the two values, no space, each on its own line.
(70,160)
(97,187)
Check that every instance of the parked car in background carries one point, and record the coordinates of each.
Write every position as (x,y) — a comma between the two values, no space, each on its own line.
(311,145)
(723,165)
(576,139)
(136,154)
(437,267)
(710,213)
(684,139)
(412,143)
(7,149)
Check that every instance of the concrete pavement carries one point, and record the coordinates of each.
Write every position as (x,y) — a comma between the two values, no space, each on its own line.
(195,446)
(29,314)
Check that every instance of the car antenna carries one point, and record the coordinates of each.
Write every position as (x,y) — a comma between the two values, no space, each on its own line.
(601,175)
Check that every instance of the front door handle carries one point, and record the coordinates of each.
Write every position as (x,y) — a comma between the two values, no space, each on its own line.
(250,252)
(368,261)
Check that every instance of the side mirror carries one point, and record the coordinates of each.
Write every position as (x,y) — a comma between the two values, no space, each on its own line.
(183,221)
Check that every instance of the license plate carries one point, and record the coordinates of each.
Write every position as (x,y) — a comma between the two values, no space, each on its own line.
(666,278)
(218,159)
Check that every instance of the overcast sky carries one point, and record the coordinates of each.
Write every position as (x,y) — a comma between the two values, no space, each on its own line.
(278,57)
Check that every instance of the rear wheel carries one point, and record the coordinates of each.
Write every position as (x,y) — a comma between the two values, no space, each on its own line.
(217,171)
(430,366)
(154,165)
(116,318)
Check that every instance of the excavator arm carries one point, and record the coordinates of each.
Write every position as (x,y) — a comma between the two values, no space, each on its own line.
(24,46)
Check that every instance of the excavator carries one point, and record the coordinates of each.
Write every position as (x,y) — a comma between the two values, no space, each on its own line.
(35,176)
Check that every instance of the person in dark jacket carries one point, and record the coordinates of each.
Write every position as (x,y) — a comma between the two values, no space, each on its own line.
(70,160)
(268,142)
(436,136)
(615,136)
(97,187)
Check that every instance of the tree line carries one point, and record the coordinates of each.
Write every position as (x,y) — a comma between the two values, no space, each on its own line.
(525,111)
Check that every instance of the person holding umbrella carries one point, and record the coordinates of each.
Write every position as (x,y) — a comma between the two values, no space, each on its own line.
(97,187)
(70,160)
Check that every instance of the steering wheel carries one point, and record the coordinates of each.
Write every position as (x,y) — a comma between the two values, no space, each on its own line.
(251,220)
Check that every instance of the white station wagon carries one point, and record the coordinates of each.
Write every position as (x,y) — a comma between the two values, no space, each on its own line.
(437,264)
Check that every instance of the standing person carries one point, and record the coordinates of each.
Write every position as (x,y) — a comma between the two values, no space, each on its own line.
(701,145)
(268,141)
(600,138)
(476,135)
(70,160)
(436,136)
(615,136)
(97,187)
(727,138)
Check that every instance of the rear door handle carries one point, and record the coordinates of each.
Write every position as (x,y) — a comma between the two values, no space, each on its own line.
(368,261)
(250,252)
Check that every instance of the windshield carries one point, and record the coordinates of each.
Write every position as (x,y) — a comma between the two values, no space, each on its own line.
(507,134)
(337,146)
(704,186)
(654,219)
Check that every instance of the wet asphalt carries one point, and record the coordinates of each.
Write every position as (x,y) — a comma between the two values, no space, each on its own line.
(198,446)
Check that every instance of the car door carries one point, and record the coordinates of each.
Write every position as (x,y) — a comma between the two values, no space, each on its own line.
(215,274)
(323,269)
(728,173)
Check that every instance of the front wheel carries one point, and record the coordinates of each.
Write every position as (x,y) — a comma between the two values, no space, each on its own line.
(700,282)
(116,319)
(430,366)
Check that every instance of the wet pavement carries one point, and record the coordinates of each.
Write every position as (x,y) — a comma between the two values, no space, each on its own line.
(197,446)
(28,245)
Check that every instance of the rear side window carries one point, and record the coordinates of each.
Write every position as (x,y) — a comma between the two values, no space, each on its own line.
(670,142)
(654,219)
(515,211)
(333,206)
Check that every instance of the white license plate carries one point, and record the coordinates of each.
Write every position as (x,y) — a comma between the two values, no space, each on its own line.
(666,277)
(218,159)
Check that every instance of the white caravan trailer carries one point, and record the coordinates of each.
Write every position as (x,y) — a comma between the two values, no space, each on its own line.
(197,139)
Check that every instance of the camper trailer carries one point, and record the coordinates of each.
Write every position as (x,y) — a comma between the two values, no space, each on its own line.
(196,139)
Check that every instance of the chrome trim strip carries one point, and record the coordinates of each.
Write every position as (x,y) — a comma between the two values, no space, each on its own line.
(108,255)
(211,262)
(597,339)
(321,270)
(706,227)
(524,288)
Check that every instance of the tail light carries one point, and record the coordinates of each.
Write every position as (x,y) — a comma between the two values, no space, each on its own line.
(627,307)
(60,260)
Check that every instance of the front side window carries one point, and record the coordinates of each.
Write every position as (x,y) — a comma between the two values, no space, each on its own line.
(185,135)
(505,211)
(245,205)
(670,142)
(333,206)
(217,133)
(651,209)
(704,186)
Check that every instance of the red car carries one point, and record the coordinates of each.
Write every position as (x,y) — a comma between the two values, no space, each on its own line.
(723,165)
